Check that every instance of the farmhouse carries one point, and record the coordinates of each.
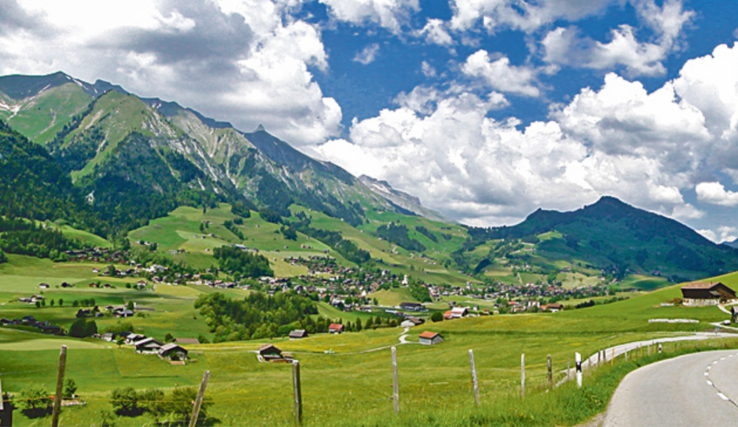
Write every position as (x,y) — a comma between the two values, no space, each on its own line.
(268,352)
(553,307)
(430,338)
(173,350)
(335,328)
(148,346)
(459,312)
(411,306)
(706,293)
(298,333)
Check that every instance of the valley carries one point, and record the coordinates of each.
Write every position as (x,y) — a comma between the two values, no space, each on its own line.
(125,215)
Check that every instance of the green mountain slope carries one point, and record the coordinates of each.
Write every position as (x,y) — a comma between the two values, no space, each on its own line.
(620,239)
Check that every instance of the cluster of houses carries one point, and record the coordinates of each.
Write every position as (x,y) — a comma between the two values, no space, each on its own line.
(147,345)
(99,255)
(30,321)
(120,311)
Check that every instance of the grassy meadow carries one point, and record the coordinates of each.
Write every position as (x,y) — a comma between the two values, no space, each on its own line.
(344,374)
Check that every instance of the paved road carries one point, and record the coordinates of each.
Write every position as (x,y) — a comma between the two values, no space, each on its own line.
(699,389)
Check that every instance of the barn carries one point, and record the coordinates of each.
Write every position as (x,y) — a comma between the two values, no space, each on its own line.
(430,338)
(706,293)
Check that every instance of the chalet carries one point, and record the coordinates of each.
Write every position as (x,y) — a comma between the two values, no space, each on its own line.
(448,315)
(133,338)
(411,306)
(148,346)
(298,334)
(430,338)
(187,341)
(707,293)
(553,307)
(459,312)
(416,320)
(173,350)
(335,328)
(269,352)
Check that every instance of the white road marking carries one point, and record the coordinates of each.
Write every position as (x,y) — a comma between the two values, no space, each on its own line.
(709,383)
(722,396)
(707,373)
(722,358)
(715,362)
(709,367)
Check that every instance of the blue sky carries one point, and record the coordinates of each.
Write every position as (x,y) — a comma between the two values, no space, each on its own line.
(485,109)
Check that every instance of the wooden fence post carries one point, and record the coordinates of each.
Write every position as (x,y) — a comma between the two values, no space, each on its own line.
(568,370)
(612,356)
(474,377)
(59,386)
(297,391)
(522,375)
(395,385)
(550,372)
(198,401)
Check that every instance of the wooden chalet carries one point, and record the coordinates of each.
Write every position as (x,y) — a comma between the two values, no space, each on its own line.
(269,353)
(298,334)
(148,346)
(335,328)
(172,349)
(707,293)
(430,338)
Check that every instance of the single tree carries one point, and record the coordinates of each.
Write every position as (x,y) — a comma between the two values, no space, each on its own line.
(437,316)
(119,340)
(70,388)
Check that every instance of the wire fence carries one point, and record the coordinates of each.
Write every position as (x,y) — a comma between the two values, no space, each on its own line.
(450,388)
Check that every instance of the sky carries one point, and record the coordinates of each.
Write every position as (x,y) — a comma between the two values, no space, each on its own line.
(485,109)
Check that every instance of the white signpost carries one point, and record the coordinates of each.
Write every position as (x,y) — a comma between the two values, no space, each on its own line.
(578,360)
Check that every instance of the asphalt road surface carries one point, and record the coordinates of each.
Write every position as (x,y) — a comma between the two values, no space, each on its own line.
(699,389)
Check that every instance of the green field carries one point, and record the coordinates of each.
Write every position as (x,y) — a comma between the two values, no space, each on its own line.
(350,378)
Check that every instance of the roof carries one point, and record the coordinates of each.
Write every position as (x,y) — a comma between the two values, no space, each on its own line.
(170,346)
(459,309)
(298,333)
(428,334)
(701,285)
(335,326)
(187,341)
(267,347)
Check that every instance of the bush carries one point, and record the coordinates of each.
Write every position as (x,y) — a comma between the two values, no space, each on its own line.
(35,402)
(437,316)
(125,402)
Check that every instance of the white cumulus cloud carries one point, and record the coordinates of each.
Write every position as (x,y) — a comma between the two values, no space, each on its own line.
(389,14)
(242,61)
(500,75)
(368,54)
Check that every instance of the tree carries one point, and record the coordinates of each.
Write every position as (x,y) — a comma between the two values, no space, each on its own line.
(203,339)
(168,337)
(51,303)
(437,316)
(130,305)
(38,304)
(35,402)
(125,402)
(358,325)
(70,388)
(369,323)
(119,340)
(83,328)
(112,272)
(61,302)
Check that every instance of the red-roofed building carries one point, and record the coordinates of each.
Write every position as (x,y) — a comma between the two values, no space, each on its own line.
(430,338)
(448,315)
(335,328)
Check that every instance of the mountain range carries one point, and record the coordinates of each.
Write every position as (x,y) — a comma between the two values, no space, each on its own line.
(137,158)
(108,161)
